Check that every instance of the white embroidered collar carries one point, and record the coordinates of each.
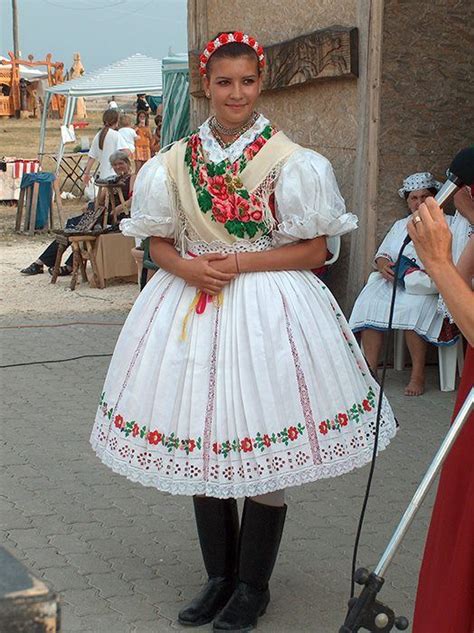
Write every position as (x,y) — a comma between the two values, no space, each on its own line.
(216,153)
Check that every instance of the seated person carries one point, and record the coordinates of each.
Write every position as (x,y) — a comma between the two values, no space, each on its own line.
(123,168)
(416,314)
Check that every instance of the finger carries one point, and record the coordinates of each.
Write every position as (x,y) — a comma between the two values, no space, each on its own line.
(217,274)
(430,211)
(211,291)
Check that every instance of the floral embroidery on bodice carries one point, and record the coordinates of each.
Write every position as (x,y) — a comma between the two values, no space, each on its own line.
(220,191)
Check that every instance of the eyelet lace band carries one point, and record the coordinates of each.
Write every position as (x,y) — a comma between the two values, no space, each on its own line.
(215,153)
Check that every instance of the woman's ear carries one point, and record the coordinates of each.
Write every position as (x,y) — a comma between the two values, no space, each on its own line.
(207,86)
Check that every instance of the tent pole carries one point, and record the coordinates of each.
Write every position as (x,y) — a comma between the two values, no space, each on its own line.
(60,154)
(44,121)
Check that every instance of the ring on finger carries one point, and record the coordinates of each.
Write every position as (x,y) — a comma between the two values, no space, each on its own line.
(417,219)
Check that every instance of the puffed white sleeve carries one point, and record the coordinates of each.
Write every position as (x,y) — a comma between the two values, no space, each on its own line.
(307,200)
(152,212)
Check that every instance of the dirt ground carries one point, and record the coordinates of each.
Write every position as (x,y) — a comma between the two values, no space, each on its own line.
(36,295)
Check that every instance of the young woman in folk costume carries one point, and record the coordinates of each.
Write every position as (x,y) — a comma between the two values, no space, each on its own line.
(236,375)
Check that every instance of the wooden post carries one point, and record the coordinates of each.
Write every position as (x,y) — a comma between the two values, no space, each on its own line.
(198,35)
(19,211)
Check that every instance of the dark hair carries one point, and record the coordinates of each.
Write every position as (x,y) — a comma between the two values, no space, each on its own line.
(432,190)
(158,120)
(139,113)
(232,50)
(109,118)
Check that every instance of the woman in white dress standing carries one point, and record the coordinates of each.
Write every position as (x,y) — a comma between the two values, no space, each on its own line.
(105,143)
(236,374)
(416,314)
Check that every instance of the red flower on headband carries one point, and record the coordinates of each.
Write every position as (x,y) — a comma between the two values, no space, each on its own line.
(211,46)
(238,36)
(252,41)
(223,38)
(203,58)
(260,50)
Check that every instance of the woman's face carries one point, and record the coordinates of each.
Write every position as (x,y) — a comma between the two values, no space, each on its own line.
(234,86)
(121,167)
(415,198)
(141,119)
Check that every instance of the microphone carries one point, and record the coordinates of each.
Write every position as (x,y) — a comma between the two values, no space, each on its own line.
(460,174)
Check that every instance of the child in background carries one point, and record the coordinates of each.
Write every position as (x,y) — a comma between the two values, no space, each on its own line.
(143,142)
(156,142)
(128,133)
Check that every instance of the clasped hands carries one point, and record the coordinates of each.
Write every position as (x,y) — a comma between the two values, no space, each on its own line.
(211,272)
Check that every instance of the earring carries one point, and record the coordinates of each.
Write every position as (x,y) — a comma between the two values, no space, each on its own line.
(208,95)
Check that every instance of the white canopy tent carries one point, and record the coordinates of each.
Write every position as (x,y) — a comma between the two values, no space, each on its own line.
(134,75)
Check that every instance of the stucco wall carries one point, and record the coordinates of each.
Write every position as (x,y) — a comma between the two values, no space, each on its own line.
(427,96)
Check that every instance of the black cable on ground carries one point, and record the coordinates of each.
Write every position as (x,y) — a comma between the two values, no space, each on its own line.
(377,422)
(58,360)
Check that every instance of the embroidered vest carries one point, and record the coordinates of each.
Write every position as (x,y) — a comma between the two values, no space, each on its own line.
(226,201)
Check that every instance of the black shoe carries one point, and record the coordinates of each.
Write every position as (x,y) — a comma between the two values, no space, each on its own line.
(217,523)
(33,269)
(260,536)
(64,271)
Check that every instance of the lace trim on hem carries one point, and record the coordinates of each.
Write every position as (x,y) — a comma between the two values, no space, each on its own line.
(443,309)
(247,489)
(216,153)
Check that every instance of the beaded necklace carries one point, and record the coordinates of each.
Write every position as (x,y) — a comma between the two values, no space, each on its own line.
(219,130)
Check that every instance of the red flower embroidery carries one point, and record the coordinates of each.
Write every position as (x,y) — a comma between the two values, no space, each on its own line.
(292,432)
(191,445)
(266,440)
(246,444)
(217,187)
(135,430)
(119,422)
(366,405)
(343,419)
(222,210)
(257,216)
(154,437)
(323,428)
(216,448)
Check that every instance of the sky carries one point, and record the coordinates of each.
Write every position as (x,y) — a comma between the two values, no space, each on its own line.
(102,31)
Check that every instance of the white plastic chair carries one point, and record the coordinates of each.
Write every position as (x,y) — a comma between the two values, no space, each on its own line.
(334,247)
(449,356)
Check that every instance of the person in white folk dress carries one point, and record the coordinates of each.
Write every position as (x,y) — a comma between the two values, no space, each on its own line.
(415,312)
(236,373)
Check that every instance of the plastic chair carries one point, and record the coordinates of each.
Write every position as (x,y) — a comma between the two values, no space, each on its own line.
(449,357)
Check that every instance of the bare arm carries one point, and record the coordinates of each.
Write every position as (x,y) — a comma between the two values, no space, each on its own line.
(86,176)
(303,255)
(432,239)
(385,268)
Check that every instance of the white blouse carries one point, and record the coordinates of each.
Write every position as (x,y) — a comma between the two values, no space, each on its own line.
(307,199)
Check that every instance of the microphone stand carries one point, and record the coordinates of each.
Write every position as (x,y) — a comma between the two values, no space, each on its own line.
(366,612)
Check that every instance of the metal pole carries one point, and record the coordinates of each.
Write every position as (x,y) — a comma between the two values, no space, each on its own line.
(425,485)
(16,44)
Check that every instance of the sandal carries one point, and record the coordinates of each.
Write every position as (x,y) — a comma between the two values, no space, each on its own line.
(33,269)
(64,271)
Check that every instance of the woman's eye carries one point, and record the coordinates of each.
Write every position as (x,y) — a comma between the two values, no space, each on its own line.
(247,82)
(223,82)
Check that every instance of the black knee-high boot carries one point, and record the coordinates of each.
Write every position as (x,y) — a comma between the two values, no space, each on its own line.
(260,536)
(217,523)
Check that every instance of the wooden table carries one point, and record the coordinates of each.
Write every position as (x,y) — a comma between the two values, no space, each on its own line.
(72,166)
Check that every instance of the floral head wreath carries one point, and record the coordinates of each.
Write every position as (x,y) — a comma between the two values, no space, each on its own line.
(228,38)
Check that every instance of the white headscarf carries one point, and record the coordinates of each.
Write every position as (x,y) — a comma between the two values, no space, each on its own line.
(421,180)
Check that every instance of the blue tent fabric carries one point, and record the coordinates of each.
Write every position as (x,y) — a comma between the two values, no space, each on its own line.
(154,102)
(45,180)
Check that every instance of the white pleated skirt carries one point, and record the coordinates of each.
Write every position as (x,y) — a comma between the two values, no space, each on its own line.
(418,313)
(265,390)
